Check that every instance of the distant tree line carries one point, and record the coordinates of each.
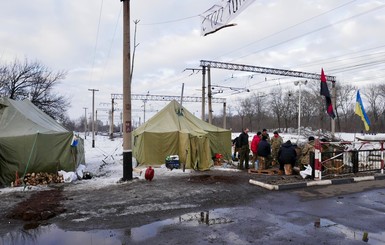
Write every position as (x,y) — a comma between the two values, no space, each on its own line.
(279,109)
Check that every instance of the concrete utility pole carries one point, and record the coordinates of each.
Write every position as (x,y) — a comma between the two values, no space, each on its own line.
(209,95)
(144,106)
(93,119)
(203,92)
(112,119)
(85,122)
(127,141)
(224,115)
(299,83)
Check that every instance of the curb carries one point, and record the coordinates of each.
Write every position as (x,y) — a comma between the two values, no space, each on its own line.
(316,182)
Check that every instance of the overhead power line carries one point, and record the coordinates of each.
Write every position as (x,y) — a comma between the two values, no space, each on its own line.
(169,21)
(288,28)
(313,31)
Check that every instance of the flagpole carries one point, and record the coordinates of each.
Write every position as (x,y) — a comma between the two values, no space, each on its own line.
(333,121)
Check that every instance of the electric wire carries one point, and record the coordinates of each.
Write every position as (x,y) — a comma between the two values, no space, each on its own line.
(112,40)
(313,31)
(287,28)
(96,40)
(169,21)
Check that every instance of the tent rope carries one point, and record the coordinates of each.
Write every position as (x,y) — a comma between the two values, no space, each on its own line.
(29,159)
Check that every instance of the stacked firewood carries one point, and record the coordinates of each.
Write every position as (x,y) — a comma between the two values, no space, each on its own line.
(42,178)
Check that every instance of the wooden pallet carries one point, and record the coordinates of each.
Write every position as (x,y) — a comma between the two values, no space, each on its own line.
(264,171)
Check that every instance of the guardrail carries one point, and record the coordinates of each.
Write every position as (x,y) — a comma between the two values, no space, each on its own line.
(338,162)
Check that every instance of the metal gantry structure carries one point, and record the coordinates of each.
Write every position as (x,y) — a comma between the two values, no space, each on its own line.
(264,70)
(206,65)
(152,97)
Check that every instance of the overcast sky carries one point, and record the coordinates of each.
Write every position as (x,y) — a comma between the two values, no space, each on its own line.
(345,38)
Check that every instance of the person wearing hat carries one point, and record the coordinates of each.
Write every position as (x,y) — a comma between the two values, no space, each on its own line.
(305,152)
(264,133)
(287,157)
(276,142)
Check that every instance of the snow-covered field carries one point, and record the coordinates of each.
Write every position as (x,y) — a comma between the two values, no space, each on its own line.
(105,161)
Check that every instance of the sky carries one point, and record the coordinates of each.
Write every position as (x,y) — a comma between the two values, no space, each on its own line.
(85,39)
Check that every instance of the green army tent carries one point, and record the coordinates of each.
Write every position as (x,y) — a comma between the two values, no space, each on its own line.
(175,131)
(31,141)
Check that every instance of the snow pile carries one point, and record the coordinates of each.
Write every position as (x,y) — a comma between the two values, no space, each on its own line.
(105,162)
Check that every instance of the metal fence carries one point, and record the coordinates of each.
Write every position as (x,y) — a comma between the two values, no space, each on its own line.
(345,162)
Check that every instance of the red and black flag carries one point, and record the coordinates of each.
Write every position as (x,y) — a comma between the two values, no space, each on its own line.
(325,92)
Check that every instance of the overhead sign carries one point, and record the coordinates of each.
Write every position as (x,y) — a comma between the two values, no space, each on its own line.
(218,16)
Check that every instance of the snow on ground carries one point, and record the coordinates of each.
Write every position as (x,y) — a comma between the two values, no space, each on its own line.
(105,161)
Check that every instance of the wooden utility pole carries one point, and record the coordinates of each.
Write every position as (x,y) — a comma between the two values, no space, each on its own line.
(127,140)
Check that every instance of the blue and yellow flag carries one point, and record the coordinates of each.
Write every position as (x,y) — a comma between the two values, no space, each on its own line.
(360,110)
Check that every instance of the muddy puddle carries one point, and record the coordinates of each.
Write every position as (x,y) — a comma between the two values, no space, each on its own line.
(47,234)
(218,221)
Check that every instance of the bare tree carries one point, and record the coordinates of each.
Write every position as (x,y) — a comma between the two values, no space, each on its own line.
(345,103)
(277,105)
(290,111)
(308,108)
(243,109)
(258,106)
(34,81)
(376,105)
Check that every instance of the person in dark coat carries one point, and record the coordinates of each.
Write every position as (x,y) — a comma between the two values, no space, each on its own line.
(263,152)
(287,157)
(245,149)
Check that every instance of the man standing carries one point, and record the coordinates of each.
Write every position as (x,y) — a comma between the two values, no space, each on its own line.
(276,142)
(245,149)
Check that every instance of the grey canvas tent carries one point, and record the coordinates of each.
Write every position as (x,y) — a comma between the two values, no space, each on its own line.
(175,131)
(31,141)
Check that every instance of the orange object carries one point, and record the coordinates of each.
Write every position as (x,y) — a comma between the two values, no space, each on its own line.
(149,175)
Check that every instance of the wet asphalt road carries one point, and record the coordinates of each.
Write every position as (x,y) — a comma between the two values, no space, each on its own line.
(294,217)
(336,214)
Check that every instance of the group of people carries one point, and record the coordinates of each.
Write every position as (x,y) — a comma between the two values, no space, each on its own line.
(267,152)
